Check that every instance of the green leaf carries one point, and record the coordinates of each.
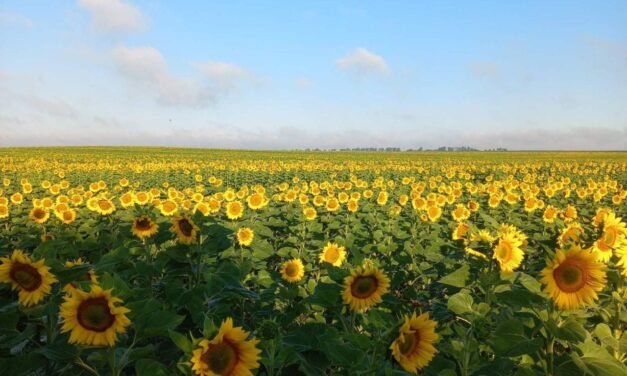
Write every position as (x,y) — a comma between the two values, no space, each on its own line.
(596,361)
(181,341)
(460,303)
(457,278)
(509,340)
(149,367)
(325,295)
(569,330)
(604,334)
(59,351)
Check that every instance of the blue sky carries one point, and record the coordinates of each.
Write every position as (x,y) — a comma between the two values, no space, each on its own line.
(306,74)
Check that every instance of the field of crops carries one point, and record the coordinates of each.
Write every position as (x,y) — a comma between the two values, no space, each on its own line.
(156,261)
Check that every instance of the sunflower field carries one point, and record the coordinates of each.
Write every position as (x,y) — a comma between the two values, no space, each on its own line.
(162,261)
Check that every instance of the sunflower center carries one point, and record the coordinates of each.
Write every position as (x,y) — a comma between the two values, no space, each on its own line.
(186,227)
(409,342)
(94,314)
(364,286)
(332,254)
(504,251)
(26,276)
(104,204)
(143,224)
(39,214)
(221,358)
(570,277)
(291,270)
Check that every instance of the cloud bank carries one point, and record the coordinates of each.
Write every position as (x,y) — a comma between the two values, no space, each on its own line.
(114,16)
(363,63)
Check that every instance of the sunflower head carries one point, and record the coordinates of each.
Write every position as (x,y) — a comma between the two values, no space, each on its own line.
(32,280)
(39,215)
(365,287)
(508,253)
(185,229)
(93,318)
(333,254)
(234,210)
(144,227)
(228,353)
(573,278)
(292,271)
(245,236)
(413,349)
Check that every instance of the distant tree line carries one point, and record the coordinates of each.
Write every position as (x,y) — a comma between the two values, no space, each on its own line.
(395,149)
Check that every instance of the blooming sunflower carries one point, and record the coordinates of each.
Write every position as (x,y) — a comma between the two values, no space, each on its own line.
(434,212)
(573,278)
(33,280)
(333,254)
(613,237)
(460,231)
(4,211)
(185,229)
(234,210)
(93,318)
(104,206)
(245,236)
(144,227)
(413,349)
(570,235)
(90,276)
(292,271)
(310,213)
(229,353)
(508,253)
(39,215)
(364,287)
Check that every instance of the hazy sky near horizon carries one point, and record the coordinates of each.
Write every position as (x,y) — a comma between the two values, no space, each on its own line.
(307,74)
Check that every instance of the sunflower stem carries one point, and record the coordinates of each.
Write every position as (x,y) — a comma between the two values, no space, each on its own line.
(112,365)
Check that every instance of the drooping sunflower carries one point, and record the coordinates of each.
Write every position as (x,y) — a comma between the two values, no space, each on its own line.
(229,353)
(292,271)
(90,276)
(570,235)
(413,349)
(234,210)
(33,280)
(185,229)
(94,318)
(573,278)
(39,215)
(245,236)
(333,254)
(144,227)
(508,253)
(365,287)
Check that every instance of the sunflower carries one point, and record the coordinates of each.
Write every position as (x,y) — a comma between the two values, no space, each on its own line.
(434,212)
(229,353)
(245,236)
(234,210)
(292,271)
(4,211)
(144,227)
(508,253)
(613,237)
(39,215)
(475,253)
(332,204)
(413,349)
(573,278)
(33,280)
(68,216)
(570,235)
(104,206)
(460,231)
(185,229)
(93,318)
(622,260)
(333,254)
(168,208)
(364,287)
(310,213)
(90,276)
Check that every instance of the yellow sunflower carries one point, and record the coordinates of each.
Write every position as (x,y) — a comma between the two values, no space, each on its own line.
(460,231)
(570,235)
(33,280)
(4,211)
(434,213)
(39,215)
(413,349)
(292,271)
(90,276)
(613,237)
(364,287)
(508,253)
(333,254)
(234,210)
(245,236)
(144,227)
(310,213)
(104,206)
(256,201)
(93,318)
(573,278)
(229,353)
(185,229)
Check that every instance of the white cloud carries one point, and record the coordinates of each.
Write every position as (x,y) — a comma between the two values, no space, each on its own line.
(146,67)
(363,63)
(223,76)
(303,83)
(114,15)
(15,19)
